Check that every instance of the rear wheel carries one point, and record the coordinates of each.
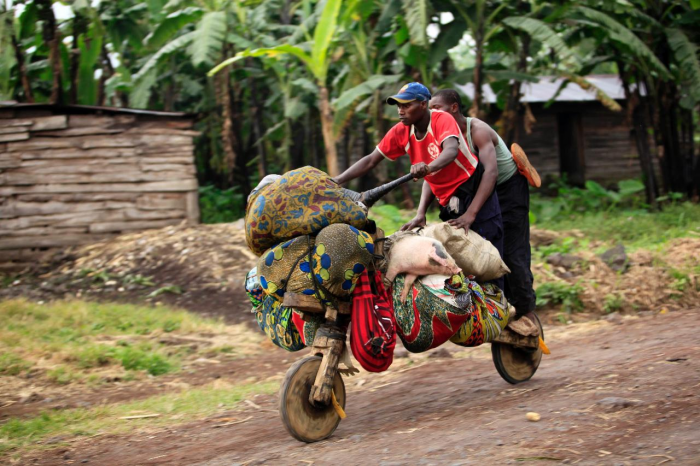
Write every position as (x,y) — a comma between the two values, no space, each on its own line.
(516,364)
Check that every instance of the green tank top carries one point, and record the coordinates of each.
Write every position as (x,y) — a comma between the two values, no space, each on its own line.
(504,159)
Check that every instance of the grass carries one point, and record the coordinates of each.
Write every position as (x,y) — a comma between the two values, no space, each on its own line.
(72,337)
(172,408)
(635,228)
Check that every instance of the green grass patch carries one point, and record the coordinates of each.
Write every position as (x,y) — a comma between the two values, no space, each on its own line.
(567,295)
(390,218)
(635,228)
(79,336)
(172,408)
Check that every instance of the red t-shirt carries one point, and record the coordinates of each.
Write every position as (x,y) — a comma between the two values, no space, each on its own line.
(402,140)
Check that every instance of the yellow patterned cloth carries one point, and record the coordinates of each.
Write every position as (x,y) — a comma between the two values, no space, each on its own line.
(300,202)
(490,315)
(335,259)
(276,321)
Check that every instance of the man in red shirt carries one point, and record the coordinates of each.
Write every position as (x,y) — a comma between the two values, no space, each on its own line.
(439,153)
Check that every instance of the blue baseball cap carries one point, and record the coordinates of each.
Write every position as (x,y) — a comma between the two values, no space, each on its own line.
(409,93)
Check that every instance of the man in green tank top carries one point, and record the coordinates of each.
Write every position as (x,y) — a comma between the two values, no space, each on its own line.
(514,175)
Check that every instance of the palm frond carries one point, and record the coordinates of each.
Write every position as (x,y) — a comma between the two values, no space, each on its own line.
(171,25)
(141,91)
(624,36)
(586,85)
(209,38)
(686,55)
(172,46)
(323,35)
(417,13)
(540,31)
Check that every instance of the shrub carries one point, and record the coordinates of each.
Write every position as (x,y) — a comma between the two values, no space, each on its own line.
(563,293)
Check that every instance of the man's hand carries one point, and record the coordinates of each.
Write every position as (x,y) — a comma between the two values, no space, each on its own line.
(465,221)
(417,221)
(420,170)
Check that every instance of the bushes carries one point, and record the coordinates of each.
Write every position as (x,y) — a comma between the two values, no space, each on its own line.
(220,206)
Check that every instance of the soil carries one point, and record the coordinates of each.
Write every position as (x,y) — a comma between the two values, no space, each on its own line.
(199,268)
(618,391)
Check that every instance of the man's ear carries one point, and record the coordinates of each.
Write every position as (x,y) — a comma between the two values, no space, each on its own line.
(454,108)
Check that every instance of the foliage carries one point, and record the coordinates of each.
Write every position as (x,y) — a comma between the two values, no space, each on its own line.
(563,293)
(220,206)
(593,198)
(298,80)
(613,303)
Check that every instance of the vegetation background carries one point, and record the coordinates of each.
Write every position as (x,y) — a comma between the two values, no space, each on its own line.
(277,84)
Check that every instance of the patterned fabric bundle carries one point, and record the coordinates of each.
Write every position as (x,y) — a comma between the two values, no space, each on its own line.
(429,316)
(490,315)
(276,322)
(373,327)
(300,202)
(307,328)
(440,308)
(328,265)
(253,288)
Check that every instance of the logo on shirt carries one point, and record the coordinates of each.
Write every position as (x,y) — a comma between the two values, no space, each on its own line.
(433,150)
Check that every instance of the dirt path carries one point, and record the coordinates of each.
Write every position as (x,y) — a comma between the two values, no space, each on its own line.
(622,392)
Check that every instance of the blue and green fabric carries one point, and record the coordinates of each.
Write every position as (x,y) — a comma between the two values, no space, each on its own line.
(330,263)
(300,202)
(253,288)
(276,322)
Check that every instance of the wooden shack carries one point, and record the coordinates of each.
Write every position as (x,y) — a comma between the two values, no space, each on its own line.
(574,134)
(78,174)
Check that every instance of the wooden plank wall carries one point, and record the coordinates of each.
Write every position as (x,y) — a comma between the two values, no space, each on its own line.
(74,179)
(609,148)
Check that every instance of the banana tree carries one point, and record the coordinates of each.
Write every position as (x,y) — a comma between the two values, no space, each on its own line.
(317,60)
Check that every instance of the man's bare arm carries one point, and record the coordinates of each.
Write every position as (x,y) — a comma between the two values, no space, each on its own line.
(426,197)
(487,157)
(360,168)
(450,149)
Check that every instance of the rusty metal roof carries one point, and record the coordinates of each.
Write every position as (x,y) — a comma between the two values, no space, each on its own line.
(83,109)
(546,88)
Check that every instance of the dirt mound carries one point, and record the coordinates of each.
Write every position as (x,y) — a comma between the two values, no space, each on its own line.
(200,268)
(666,279)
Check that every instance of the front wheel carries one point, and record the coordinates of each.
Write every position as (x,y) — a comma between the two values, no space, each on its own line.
(303,420)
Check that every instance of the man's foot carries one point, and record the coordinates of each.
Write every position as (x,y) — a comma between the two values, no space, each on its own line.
(524,167)
(525,325)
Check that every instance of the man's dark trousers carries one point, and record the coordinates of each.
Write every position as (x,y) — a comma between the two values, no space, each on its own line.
(514,198)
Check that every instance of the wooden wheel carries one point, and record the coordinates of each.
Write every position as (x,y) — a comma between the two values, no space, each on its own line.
(304,421)
(516,364)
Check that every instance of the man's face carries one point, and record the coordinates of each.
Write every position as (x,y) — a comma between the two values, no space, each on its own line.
(438,103)
(410,113)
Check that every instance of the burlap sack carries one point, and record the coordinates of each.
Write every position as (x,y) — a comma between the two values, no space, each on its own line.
(472,253)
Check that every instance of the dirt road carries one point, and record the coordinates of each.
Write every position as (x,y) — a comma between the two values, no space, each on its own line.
(622,391)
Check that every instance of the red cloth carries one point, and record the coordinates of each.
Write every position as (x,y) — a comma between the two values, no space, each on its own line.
(373,326)
(401,140)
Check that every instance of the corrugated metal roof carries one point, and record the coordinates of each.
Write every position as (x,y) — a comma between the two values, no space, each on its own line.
(547,87)
(93,109)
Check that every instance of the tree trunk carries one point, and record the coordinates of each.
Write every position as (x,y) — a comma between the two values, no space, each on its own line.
(223,97)
(510,117)
(21,67)
(636,116)
(53,39)
(476,111)
(107,72)
(327,129)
